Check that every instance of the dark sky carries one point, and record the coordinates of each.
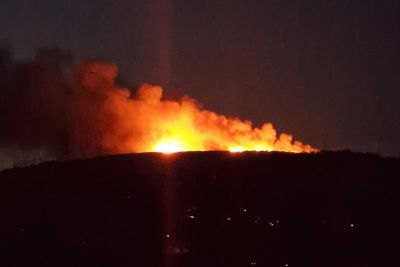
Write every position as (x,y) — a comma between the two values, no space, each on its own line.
(325,71)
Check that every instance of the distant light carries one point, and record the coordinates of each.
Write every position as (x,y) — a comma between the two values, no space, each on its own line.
(253,263)
(271,224)
(191,209)
(286,265)
(167,235)
(228,219)
(351,225)
(191,217)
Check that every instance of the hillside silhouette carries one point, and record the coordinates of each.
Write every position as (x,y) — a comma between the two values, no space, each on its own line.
(203,209)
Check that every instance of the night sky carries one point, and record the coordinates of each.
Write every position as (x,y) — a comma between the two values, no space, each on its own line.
(324,71)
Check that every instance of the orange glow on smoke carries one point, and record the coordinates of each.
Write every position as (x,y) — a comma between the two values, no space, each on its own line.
(176,126)
(145,122)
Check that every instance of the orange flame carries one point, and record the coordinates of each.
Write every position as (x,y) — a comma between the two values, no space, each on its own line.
(147,123)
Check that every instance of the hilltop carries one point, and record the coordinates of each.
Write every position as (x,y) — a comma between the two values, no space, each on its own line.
(203,209)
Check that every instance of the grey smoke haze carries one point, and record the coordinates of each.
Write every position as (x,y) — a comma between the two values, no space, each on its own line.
(48,107)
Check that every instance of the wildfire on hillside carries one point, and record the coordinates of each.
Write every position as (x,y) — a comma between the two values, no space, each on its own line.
(49,111)
(145,122)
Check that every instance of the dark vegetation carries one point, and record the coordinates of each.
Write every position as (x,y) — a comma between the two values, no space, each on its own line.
(203,209)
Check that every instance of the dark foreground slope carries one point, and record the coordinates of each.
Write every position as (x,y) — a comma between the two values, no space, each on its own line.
(203,209)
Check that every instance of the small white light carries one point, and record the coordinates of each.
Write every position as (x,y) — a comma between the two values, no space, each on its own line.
(253,263)
(167,235)
(228,218)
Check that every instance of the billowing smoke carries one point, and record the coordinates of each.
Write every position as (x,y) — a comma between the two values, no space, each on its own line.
(52,108)
(33,106)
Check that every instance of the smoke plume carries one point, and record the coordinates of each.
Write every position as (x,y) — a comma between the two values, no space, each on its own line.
(55,109)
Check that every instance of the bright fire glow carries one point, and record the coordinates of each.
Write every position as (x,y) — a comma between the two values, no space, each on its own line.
(145,122)
(236,149)
(169,146)
(150,124)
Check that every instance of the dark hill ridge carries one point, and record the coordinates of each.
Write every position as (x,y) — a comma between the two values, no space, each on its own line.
(203,209)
